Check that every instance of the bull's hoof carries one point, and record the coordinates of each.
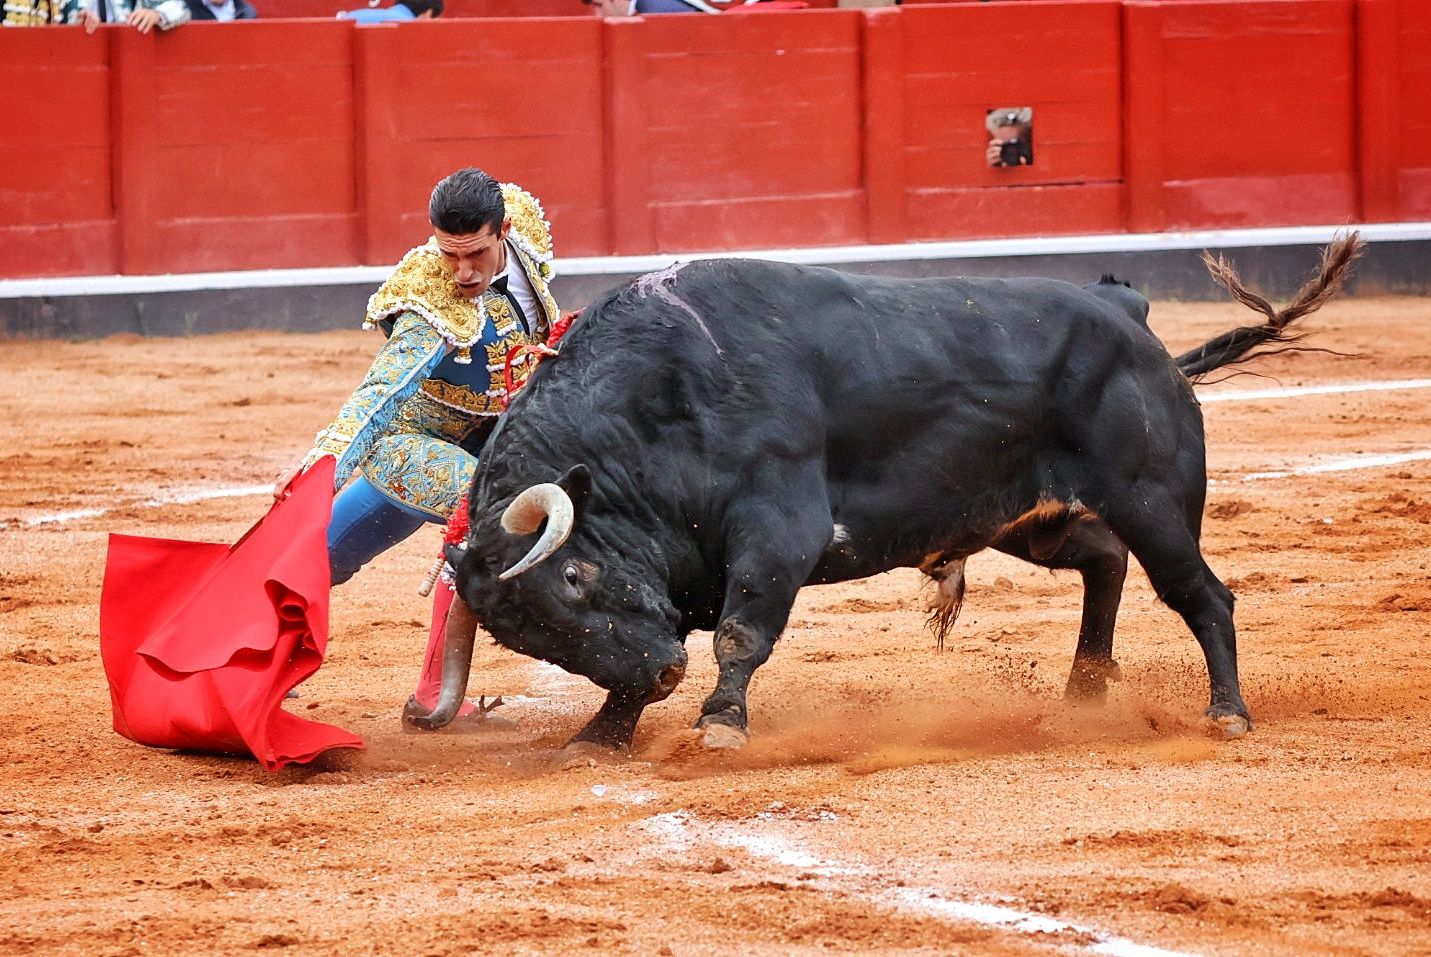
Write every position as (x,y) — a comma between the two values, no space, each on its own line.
(723,737)
(1088,681)
(1226,726)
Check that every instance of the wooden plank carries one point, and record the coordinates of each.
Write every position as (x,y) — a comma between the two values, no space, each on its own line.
(807,220)
(985,213)
(883,108)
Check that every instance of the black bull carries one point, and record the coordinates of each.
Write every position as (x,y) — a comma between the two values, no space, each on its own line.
(716,436)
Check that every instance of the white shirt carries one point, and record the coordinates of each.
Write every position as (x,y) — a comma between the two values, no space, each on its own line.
(223,11)
(520,288)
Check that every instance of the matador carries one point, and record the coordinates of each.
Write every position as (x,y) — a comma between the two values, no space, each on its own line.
(452,311)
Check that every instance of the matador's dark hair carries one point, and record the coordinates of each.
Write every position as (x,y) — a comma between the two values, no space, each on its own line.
(466,202)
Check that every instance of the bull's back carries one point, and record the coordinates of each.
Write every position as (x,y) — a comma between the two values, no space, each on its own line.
(870,348)
(937,409)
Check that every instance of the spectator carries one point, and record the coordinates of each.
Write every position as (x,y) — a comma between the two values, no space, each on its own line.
(30,13)
(402,10)
(142,15)
(1010,137)
(221,10)
(636,8)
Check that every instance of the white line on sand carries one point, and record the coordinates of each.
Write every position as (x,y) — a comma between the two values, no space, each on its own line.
(176,498)
(1369,461)
(1348,464)
(682,831)
(1291,392)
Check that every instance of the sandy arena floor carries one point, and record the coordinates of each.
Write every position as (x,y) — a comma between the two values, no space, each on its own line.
(893,797)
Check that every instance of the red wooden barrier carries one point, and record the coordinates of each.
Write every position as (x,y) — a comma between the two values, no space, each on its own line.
(739,132)
(1379,108)
(213,176)
(1241,114)
(1414,49)
(930,173)
(1404,112)
(56,205)
(520,99)
(288,143)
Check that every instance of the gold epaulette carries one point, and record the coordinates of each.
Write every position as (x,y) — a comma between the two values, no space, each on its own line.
(530,229)
(422,283)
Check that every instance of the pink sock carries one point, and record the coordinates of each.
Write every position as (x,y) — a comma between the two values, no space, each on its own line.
(429,683)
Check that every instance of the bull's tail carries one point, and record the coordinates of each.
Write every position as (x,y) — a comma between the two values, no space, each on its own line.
(1245,342)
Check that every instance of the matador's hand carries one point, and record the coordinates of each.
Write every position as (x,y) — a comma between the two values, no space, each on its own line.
(285,479)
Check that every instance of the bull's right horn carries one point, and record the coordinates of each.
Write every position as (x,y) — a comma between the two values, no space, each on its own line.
(547,501)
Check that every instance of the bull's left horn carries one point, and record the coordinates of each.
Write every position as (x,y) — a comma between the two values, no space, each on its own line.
(547,501)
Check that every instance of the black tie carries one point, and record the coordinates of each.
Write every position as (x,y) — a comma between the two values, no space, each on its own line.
(500,284)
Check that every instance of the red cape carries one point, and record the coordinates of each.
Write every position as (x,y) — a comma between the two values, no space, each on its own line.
(201,642)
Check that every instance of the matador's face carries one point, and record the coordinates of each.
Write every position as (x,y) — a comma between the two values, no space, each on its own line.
(474,258)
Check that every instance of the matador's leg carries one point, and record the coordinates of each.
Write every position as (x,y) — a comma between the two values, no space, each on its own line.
(365,524)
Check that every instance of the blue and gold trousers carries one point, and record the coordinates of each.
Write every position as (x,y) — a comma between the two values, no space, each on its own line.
(415,474)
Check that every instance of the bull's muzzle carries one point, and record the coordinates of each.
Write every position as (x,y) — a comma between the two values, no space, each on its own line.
(667,681)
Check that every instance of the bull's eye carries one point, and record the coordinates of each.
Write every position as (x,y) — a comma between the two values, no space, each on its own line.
(570,575)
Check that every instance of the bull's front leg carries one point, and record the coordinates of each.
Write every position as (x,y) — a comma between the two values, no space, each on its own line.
(613,726)
(768,566)
(739,650)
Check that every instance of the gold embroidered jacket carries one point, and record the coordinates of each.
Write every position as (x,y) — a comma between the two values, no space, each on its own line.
(441,369)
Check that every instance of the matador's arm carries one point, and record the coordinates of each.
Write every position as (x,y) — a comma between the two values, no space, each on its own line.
(408,357)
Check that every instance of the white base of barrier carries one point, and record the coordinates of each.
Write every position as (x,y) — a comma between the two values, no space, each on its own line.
(825,255)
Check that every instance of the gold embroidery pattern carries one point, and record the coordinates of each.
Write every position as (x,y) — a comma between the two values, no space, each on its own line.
(528,221)
(422,283)
(462,399)
(500,311)
(425,414)
(424,473)
(493,401)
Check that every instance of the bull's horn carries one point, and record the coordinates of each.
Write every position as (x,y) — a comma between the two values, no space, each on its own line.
(459,635)
(545,501)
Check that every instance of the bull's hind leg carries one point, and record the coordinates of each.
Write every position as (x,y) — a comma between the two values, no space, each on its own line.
(1089,546)
(770,556)
(1153,523)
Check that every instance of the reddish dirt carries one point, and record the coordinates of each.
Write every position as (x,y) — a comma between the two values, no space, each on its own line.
(884,781)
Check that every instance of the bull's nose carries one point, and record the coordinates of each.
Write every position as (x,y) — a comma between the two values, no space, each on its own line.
(667,681)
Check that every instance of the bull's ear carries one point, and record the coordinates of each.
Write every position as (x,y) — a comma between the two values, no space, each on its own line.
(576,482)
